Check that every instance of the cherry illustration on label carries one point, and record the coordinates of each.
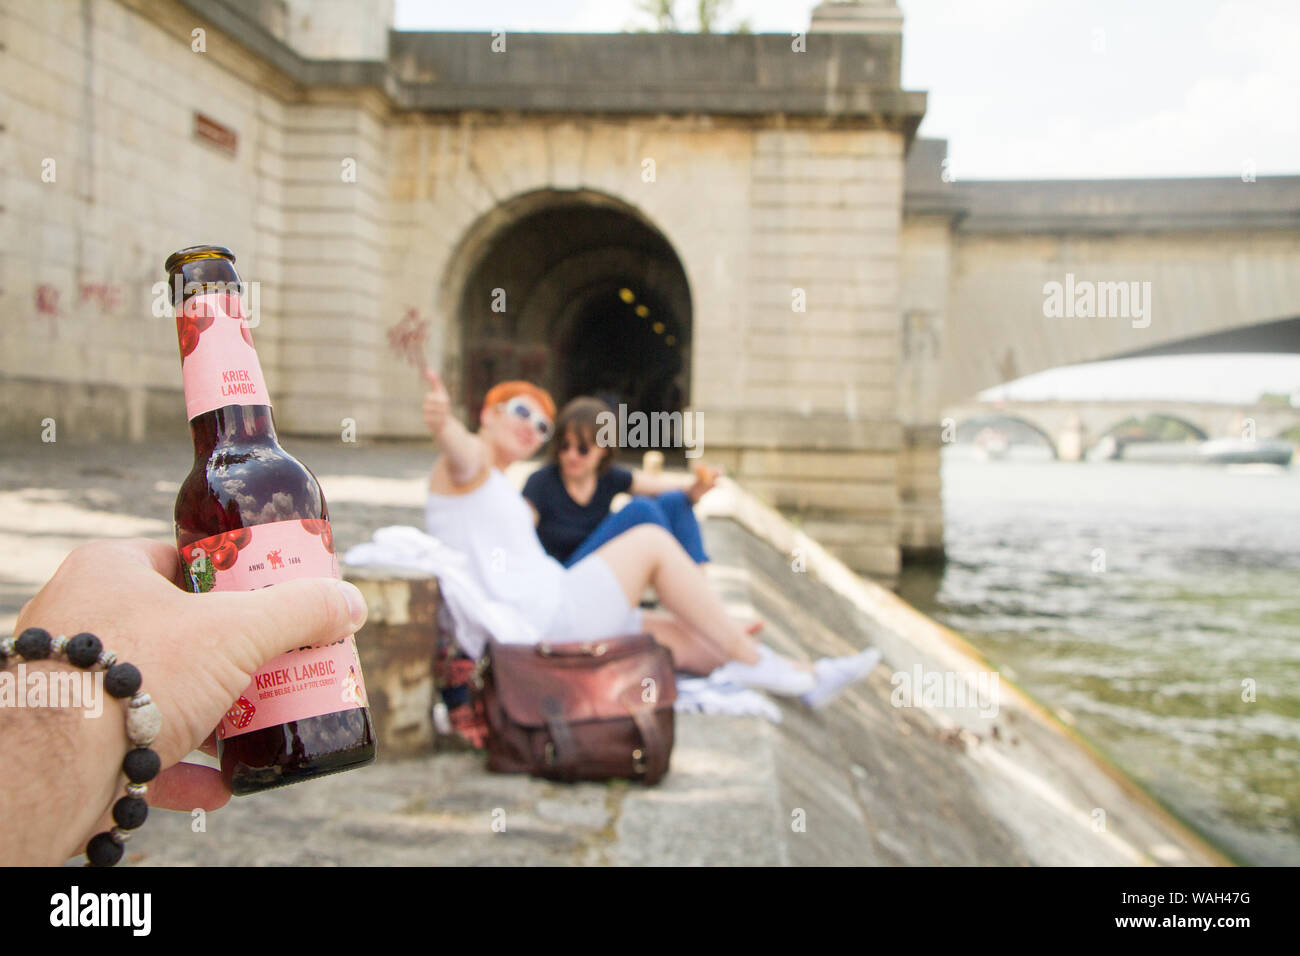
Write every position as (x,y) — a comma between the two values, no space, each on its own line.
(319,526)
(196,316)
(189,326)
(226,546)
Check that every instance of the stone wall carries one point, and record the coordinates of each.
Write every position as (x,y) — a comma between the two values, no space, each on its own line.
(924,317)
(352,212)
(104,180)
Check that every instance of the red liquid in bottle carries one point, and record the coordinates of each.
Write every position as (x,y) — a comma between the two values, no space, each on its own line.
(248,515)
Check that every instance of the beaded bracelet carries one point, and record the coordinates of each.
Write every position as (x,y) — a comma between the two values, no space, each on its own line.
(143,721)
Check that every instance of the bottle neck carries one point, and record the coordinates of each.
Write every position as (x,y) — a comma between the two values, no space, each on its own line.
(226,399)
(232,425)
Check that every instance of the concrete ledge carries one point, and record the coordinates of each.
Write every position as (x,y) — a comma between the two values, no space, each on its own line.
(396,647)
(863,781)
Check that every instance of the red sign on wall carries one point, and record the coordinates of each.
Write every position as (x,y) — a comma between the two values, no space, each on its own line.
(208,130)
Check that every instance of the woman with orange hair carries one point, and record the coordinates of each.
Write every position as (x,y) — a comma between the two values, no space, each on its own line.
(473,508)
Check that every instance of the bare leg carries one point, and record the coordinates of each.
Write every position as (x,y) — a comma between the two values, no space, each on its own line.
(647,554)
(690,653)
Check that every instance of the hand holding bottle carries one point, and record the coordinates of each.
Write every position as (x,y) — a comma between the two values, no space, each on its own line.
(197,653)
(249,515)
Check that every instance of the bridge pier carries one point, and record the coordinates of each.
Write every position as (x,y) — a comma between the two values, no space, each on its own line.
(1071,440)
(920,533)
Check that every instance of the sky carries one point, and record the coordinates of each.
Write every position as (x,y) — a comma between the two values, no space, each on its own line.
(1039,88)
(1169,378)
(1052,89)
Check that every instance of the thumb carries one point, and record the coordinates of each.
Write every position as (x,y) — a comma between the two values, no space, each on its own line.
(263,624)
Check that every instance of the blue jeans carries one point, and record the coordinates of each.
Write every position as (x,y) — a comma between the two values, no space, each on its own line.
(671,511)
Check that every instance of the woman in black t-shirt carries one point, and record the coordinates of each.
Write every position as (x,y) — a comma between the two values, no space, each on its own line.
(570,497)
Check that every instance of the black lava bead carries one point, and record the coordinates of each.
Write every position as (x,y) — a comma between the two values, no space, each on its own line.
(33,643)
(129,812)
(122,680)
(103,850)
(141,765)
(83,649)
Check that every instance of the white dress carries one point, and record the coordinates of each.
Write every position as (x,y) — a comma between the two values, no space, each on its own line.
(493,526)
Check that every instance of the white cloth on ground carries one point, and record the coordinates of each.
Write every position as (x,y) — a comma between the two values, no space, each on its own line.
(699,695)
(476,617)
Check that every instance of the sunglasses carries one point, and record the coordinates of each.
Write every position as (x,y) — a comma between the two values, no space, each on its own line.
(581,447)
(521,409)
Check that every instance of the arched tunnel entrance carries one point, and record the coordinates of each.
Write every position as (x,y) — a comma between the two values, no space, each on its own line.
(578,293)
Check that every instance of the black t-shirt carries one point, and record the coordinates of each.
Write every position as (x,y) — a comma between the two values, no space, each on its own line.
(564,524)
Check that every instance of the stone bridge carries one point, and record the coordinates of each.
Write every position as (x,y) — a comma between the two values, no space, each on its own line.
(987,268)
(1070,428)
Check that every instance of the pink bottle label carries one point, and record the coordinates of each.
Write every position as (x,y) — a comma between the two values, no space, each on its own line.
(303,683)
(219,365)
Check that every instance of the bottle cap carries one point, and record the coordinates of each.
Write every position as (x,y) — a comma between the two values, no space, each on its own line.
(190,253)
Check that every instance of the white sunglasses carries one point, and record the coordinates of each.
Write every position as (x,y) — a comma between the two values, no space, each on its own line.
(521,409)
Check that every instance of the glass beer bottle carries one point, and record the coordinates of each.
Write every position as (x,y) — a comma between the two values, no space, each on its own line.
(250,515)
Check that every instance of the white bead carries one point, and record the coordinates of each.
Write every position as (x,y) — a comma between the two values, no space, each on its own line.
(107,659)
(143,724)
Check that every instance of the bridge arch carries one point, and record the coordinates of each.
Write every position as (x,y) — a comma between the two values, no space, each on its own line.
(1202,433)
(968,427)
(577,290)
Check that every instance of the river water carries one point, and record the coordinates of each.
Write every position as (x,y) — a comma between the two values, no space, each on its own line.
(1158,606)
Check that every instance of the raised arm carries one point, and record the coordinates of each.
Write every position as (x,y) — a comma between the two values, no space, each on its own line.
(464,452)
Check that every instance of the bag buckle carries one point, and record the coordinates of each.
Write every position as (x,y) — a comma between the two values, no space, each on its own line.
(587,647)
(638,761)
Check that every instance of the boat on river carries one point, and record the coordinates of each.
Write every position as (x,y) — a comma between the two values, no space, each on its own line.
(1218,451)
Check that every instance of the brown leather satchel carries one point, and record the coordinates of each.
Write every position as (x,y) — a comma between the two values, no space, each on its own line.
(580,711)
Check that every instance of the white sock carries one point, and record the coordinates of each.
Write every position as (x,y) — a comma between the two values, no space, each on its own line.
(835,674)
(771,673)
